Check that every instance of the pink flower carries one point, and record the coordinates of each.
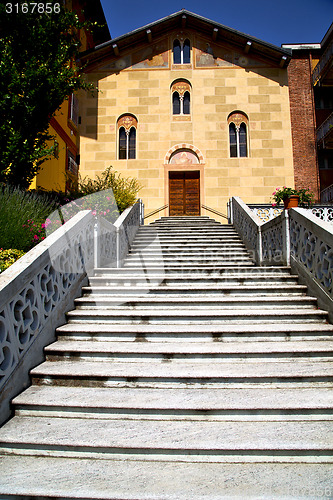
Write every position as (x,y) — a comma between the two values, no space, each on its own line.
(273,204)
(36,238)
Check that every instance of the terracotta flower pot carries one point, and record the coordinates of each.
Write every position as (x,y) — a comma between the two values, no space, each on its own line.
(291,202)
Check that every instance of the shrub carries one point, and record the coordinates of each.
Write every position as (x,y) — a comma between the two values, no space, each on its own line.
(8,257)
(22,217)
(125,190)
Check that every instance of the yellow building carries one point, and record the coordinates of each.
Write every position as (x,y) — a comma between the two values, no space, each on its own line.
(196,111)
(64,125)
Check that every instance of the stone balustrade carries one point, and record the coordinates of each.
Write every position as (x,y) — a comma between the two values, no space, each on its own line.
(247,224)
(267,212)
(296,237)
(38,289)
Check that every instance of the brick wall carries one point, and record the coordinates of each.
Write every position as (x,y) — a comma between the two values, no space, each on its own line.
(303,124)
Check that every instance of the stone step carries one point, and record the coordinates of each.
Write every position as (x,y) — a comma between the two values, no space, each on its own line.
(167,277)
(202,302)
(152,480)
(170,252)
(109,373)
(187,351)
(198,290)
(192,404)
(194,259)
(187,264)
(209,316)
(186,240)
(186,230)
(197,333)
(155,440)
(243,272)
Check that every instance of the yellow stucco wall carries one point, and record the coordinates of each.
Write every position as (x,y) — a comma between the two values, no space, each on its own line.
(260,92)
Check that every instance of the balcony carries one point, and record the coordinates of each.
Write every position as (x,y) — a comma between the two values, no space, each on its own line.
(325,133)
(323,72)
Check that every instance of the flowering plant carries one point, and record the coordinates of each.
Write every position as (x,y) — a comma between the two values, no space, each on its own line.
(306,197)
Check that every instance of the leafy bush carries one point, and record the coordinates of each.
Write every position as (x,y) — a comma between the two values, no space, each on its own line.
(8,257)
(22,218)
(125,190)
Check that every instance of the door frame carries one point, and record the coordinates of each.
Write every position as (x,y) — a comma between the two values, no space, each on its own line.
(190,167)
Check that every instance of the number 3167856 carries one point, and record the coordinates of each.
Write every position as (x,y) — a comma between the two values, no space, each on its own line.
(33,7)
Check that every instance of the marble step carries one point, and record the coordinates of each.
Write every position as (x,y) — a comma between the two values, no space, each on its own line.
(214,252)
(193,404)
(203,317)
(193,441)
(196,333)
(187,260)
(197,302)
(221,290)
(213,277)
(244,272)
(133,480)
(192,352)
(180,245)
(108,373)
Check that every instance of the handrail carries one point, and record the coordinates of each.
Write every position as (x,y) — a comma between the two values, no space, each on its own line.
(214,211)
(155,211)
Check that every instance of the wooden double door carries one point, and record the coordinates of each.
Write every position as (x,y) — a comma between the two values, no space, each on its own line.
(184,193)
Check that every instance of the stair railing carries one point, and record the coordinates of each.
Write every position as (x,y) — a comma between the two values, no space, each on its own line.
(35,293)
(38,289)
(216,212)
(297,238)
(154,212)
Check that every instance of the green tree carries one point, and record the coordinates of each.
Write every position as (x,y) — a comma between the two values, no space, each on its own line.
(38,68)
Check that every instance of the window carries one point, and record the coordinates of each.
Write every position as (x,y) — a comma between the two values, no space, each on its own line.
(238,135)
(181,52)
(74,109)
(127,125)
(181,98)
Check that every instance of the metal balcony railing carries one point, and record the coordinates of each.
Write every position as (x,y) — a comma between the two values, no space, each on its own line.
(323,61)
(325,128)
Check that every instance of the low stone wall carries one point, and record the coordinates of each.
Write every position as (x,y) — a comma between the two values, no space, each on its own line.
(35,293)
(297,237)
(38,290)
(311,251)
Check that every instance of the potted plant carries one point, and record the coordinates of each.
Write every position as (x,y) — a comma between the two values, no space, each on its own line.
(292,197)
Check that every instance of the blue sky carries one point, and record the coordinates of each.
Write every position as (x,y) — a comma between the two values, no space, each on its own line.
(273,21)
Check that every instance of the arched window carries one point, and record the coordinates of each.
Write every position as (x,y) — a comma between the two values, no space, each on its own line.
(238,139)
(181,98)
(127,125)
(181,51)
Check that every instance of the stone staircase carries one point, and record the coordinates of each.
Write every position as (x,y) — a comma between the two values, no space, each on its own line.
(189,373)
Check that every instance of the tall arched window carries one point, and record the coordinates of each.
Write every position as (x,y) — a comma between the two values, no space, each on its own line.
(127,125)
(238,137)
(181,97)
(181,51)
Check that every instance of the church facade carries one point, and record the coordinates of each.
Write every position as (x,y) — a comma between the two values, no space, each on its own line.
(196,111)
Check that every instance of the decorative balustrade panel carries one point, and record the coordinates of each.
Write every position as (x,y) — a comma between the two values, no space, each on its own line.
(323,213)
(267,212)
(311,244)
(247,226)
(274,241)
(127,226)
(107,243)
(32,288)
